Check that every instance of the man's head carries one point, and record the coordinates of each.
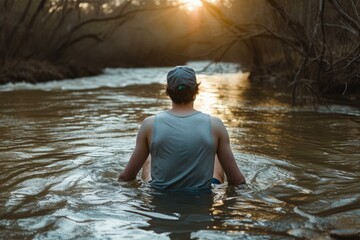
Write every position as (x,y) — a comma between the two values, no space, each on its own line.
(181,85)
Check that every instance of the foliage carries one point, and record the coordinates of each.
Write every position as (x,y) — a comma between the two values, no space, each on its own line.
(314,44)
(68,33)
(47,29)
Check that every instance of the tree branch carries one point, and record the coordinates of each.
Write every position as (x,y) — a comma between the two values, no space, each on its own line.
(345,16)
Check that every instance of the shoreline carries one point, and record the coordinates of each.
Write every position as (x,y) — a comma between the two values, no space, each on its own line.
(335,94)
(37,71)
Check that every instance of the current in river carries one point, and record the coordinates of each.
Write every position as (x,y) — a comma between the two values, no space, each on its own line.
(64,143)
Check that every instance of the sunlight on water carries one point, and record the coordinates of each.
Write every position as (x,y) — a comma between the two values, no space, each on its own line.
(64,143)
(217,97)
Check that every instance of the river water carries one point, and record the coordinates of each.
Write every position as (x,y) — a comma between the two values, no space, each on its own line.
(64,143)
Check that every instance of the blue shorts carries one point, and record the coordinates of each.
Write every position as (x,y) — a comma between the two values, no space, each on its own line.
(215,181)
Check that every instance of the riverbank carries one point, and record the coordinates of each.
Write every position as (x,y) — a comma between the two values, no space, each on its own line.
(306,92)
(36,71)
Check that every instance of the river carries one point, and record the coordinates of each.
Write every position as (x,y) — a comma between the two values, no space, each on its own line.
(63,144)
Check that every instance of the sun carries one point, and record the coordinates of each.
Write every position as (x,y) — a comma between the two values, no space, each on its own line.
(192,5)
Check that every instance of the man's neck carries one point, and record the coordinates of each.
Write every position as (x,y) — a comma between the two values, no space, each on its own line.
(182,109)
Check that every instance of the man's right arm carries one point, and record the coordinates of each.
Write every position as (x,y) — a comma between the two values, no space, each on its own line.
(225,155)
(140,153)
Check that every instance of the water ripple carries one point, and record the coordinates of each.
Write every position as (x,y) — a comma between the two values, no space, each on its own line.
(63,145)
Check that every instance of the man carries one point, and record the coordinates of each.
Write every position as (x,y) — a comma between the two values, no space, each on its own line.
(189,149)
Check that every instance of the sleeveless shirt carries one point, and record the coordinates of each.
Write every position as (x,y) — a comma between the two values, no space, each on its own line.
(182,152)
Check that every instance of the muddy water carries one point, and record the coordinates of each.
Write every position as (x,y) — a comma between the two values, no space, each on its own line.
(63,144)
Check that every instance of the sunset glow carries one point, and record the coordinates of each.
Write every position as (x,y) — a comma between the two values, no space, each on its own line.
(192,5)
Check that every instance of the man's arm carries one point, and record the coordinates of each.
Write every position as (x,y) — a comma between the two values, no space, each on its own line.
(225,155)
(140,153)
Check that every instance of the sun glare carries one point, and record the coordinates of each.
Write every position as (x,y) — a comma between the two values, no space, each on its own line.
(192,5)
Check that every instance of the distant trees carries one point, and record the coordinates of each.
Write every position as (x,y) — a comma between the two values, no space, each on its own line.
(42,40)
(36,34)
(47,29)
(314,45)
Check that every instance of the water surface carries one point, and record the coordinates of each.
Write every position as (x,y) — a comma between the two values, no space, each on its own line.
(63,144)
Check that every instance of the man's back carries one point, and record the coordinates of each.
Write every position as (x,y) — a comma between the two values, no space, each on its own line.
(182,151)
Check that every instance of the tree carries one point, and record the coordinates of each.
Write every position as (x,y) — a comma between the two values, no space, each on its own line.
(320,51)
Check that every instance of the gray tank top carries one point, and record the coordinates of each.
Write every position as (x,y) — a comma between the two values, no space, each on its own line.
(182,152)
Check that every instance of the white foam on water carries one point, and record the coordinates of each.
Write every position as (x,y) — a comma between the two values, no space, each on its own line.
(120,77)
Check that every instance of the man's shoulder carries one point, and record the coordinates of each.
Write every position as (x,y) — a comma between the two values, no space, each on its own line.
(149,120)
(147,125)
(217,126)
(215,121)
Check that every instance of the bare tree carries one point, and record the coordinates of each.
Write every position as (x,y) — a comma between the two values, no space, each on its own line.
(317,53)
(61,25)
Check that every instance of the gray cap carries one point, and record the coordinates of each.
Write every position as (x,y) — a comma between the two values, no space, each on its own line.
(181,75)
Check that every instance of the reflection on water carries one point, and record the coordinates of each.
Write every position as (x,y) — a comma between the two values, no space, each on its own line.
(178,213)
(64,143)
